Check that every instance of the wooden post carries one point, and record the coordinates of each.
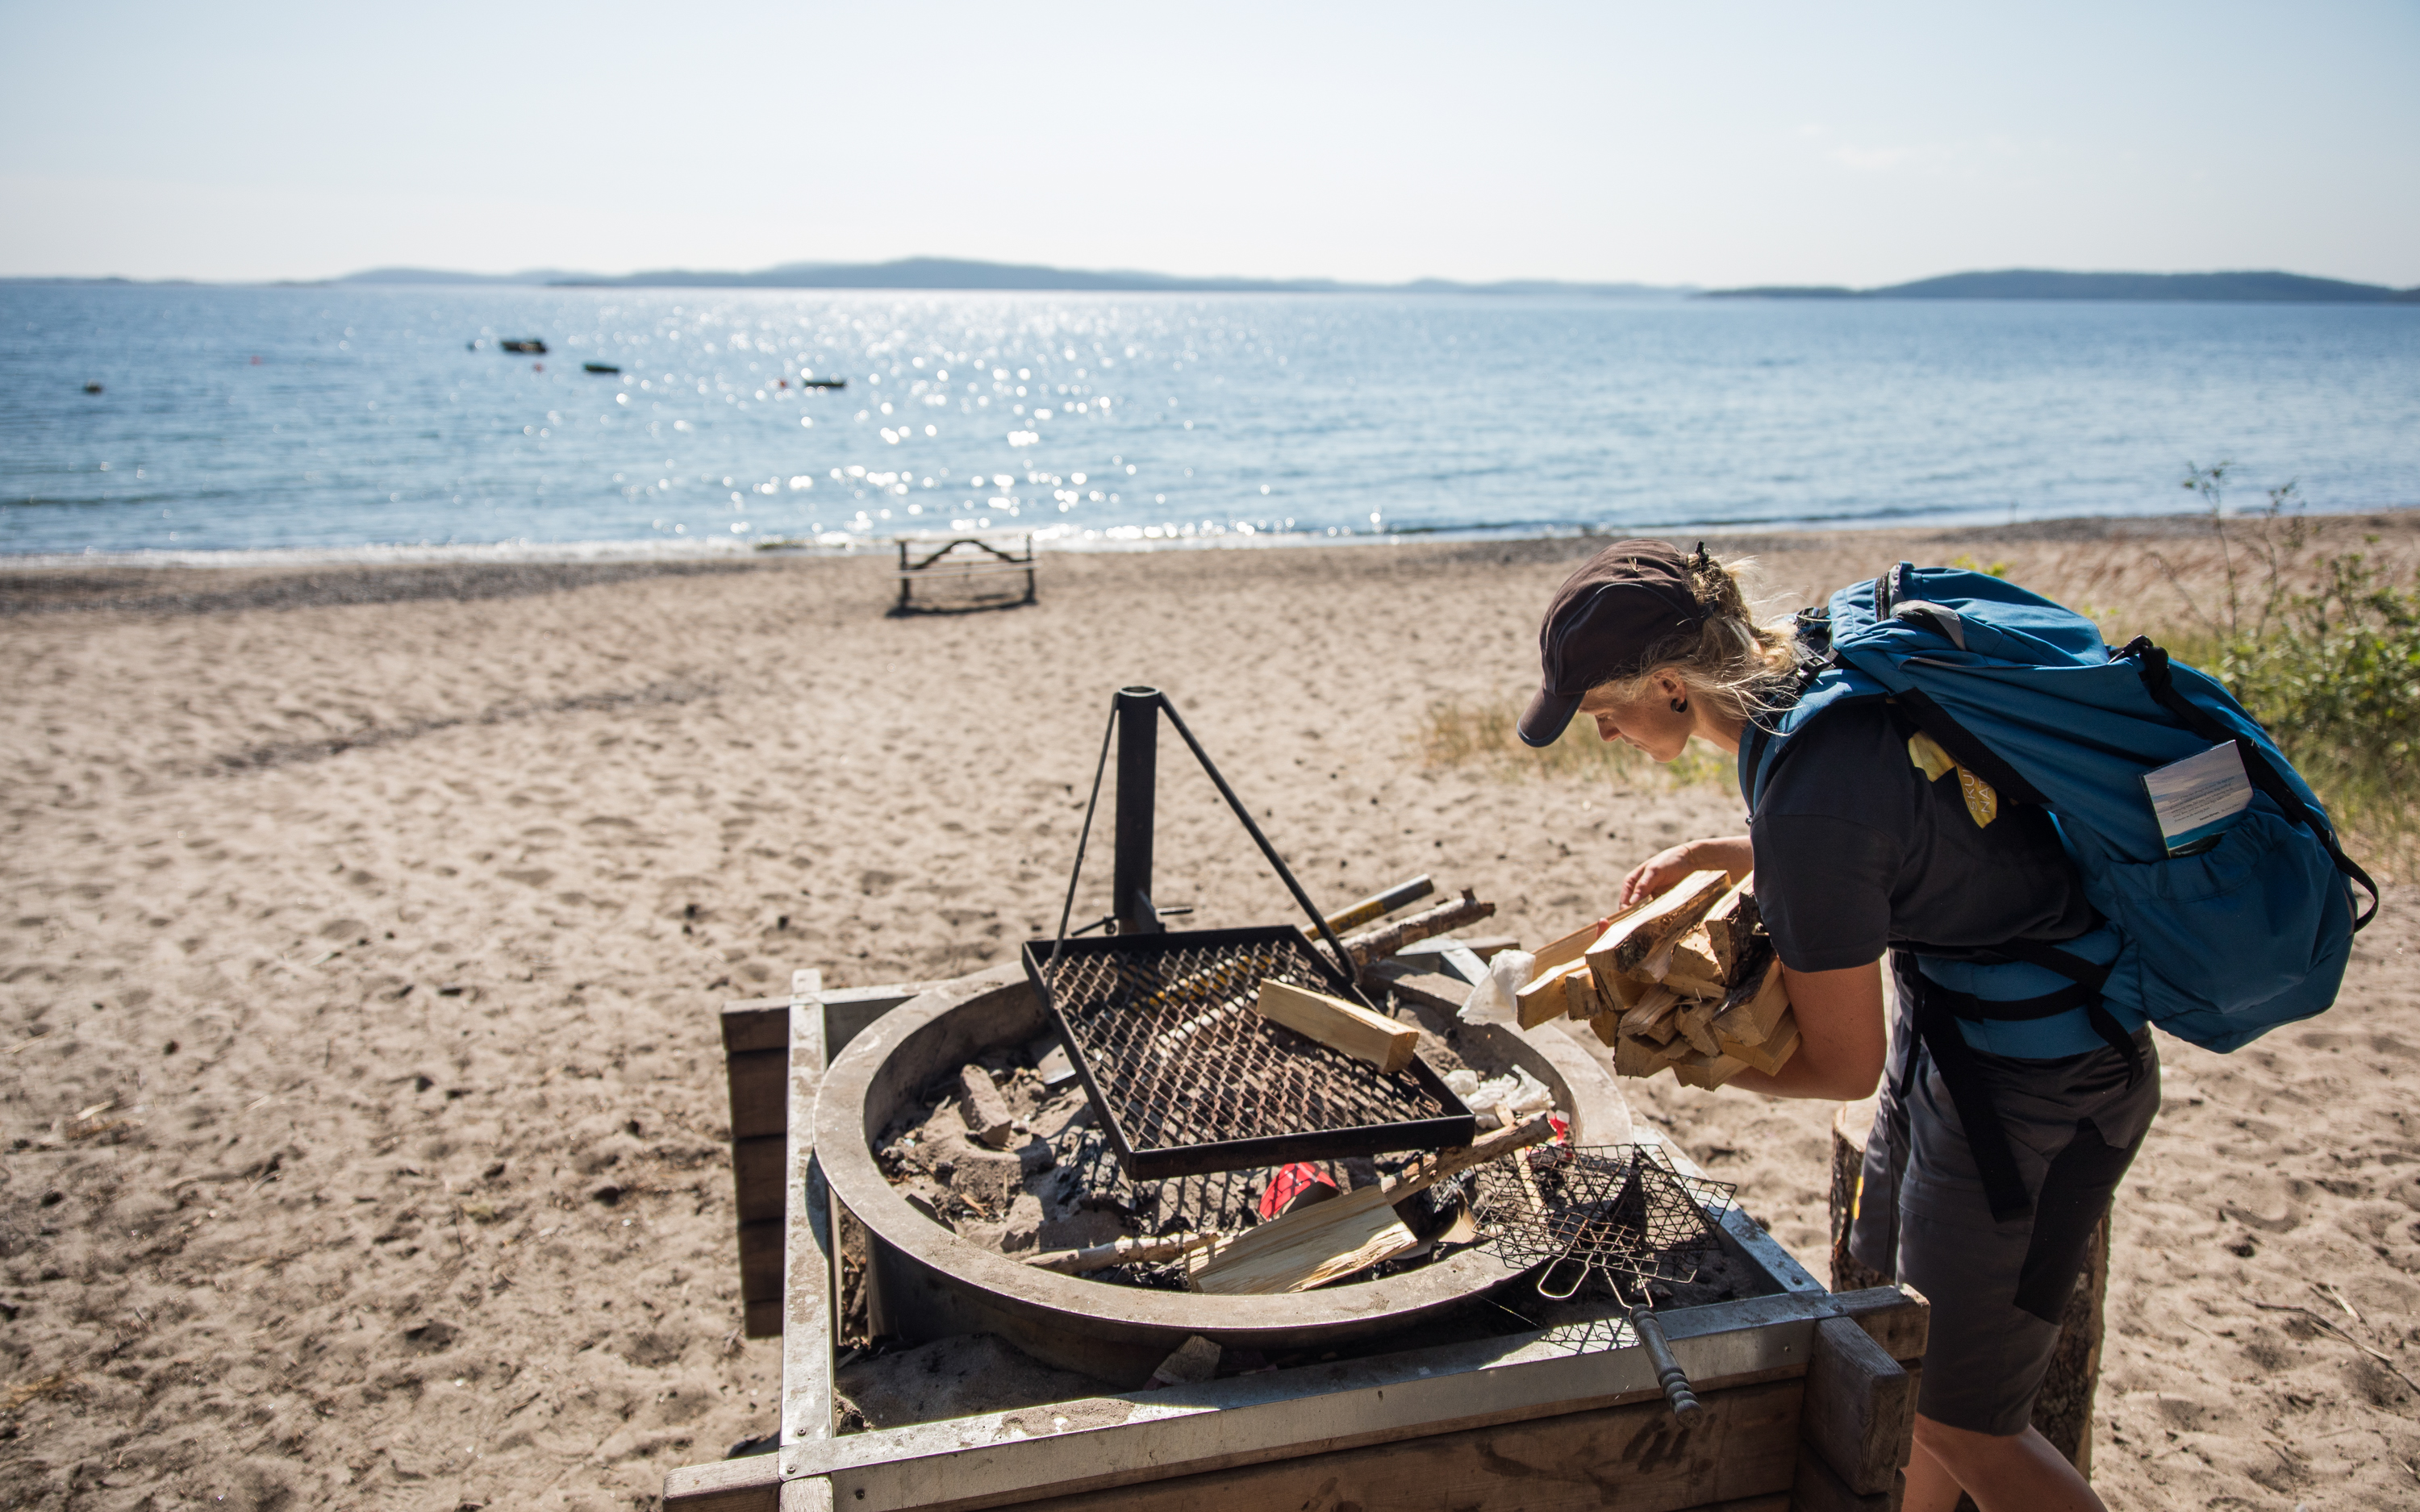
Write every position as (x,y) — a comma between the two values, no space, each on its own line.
(2063,1407)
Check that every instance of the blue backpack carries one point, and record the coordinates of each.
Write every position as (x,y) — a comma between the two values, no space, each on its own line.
(2216,948)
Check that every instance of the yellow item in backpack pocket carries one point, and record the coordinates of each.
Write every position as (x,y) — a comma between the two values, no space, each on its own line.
(1982,803)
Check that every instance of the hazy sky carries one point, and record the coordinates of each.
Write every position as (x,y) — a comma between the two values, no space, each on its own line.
(1710,143)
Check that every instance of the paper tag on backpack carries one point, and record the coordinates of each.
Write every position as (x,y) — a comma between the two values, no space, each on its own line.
(2197,797)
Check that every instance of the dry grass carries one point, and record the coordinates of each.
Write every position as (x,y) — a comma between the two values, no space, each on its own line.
(58,1384)
(1462,734)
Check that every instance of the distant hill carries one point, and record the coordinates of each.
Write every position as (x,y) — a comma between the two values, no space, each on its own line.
(440,275)
(2039,283)
(956,274)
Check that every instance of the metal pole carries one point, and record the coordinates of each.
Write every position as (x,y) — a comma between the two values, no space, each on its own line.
(1138,710)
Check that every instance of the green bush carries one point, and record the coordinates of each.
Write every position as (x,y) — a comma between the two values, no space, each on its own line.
(2325,654)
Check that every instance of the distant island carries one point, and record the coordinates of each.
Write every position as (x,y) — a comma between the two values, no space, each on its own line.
(2039,283)
(960,274)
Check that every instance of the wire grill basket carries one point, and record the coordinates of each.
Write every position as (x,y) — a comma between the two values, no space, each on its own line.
(1617,1211)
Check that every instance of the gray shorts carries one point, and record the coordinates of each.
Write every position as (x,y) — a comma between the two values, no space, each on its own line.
(1997,1289)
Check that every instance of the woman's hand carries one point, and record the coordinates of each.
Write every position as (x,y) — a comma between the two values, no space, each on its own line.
(1657,876)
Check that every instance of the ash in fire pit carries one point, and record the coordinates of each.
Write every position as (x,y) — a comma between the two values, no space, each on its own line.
(999,1158)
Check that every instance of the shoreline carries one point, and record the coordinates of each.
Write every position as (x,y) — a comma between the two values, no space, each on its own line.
(1060,539)
(139,582)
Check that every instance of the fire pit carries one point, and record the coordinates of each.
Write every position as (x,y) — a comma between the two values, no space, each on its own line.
(927,1282)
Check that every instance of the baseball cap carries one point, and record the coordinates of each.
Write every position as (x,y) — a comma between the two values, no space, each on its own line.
(1624,602)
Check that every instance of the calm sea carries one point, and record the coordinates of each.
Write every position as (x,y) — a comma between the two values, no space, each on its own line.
(352,420)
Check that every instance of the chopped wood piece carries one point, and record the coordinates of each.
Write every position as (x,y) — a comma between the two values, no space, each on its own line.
(984,1110)
(1579,993)
(1608,1026)
(1754,1008)
(1638,1058)
(1707,1071)
(1545,997)
(1690,985)
(1652,1018)
(1768,1054)
(1694,1022)
(1315,1244)
(1622,991)
(1645,930)
(1732,923)
(1565,950)
(1693,954)
(1340,1025)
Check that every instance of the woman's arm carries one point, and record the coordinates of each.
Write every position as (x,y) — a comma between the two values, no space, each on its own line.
(1841,1041)
(1658,872)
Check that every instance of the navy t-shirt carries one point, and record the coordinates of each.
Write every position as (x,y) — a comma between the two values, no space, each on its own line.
(1856,851)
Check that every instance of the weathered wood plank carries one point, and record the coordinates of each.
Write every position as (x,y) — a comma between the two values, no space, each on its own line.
(1892,1316)
(761,1245)
(760,1092)
(756,1168)
(756,1024)
(807,1272)
(1860,1412)
(1633,1458)
(749,1485)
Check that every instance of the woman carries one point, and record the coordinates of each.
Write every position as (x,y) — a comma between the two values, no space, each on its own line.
(1858,850)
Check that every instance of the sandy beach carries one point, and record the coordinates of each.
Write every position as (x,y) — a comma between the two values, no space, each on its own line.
(359,1065)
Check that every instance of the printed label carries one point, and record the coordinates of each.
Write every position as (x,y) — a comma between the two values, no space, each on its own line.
(2197,797)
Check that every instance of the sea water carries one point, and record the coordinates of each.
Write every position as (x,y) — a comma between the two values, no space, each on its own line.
(357,421)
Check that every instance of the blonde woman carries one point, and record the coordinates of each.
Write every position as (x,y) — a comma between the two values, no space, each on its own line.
(1858,854)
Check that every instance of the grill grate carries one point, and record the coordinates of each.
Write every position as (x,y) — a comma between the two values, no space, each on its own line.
(1190,1079)
(1619,1212)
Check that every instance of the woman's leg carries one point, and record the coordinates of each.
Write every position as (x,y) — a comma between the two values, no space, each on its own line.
(2021,1473)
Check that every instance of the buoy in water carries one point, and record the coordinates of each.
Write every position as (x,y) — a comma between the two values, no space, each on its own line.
(92,388)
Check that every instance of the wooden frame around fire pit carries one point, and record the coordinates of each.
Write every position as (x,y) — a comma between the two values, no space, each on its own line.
(1809,1395)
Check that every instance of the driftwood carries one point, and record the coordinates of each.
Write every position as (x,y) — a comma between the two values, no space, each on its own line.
(1118,1252)
(1377,944)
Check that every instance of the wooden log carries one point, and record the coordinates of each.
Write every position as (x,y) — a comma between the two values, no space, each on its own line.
(1732,923)
(1119,1252)
(1314,1236)
(1860,1407)
(1706,1073)
(1694,1020)
(1579,994)
(1545,998)
(1639,1057)
(1643,930)
(1753,1012)
(2063,1406)
(1378,944)
(1770,1056)
(985,1111)
(1341,1026)
(1652,1018)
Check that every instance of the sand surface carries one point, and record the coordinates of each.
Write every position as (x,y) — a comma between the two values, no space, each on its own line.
(358,1054)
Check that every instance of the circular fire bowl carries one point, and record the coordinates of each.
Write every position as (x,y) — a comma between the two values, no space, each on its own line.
(929,1283)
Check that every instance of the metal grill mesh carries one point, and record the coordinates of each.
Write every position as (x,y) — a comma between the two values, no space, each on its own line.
(1191,1078)
(1618,1212)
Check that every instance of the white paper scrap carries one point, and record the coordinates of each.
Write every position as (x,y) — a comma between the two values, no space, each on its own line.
(2195,798)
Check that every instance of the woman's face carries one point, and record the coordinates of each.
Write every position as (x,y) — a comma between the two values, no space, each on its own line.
(1648,721)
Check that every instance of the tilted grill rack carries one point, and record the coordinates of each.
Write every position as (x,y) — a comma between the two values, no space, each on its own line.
(1620,1213)
(1190,1078)
(1165,1028)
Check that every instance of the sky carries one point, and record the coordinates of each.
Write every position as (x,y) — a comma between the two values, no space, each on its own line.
(1713,144)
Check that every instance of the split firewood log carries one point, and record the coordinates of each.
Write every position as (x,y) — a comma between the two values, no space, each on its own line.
(1644,931)
(1732,923)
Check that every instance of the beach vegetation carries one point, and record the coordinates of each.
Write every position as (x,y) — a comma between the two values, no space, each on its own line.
(2324,651)
(1460,734)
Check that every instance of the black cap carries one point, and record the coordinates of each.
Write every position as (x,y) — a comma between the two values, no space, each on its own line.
(1628,600)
